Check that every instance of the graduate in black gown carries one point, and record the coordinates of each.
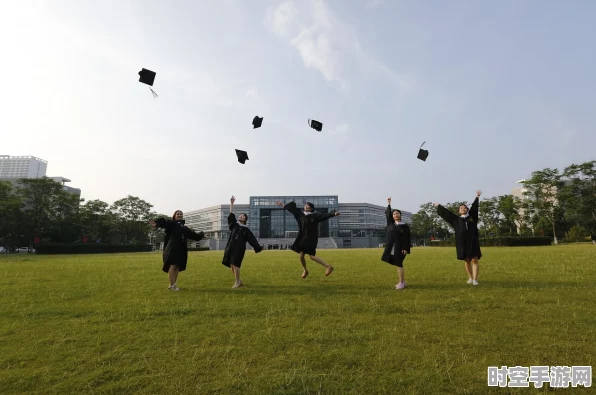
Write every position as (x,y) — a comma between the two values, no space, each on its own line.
(398,243)
(308,233)
(467,243)
(175,252)
(236,247)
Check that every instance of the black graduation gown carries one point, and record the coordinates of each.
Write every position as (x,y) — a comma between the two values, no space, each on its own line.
(236,247)
(398,236)
(467,243)
(175,251)
(308,229)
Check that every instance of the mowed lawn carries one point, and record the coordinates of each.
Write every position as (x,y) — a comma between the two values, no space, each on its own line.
(107,324)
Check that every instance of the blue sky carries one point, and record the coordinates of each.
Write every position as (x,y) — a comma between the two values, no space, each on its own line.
(496,89)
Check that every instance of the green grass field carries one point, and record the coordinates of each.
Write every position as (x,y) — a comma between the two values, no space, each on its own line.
(106,324)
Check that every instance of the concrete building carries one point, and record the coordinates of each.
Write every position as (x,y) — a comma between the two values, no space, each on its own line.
(360,225)
(69,189)
(22,167)
(13,168)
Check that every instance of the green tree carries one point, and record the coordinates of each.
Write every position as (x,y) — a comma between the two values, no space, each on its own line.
(45,207)
(133,215)
(578,233)
(97,220)
(426,221)
(489,215)
(509,208)
(578,195)
(543,188)
(11,219)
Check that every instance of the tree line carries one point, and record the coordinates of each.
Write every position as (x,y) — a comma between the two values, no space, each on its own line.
(40,210)
(558,204)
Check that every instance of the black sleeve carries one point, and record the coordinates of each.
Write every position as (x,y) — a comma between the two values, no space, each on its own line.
(408,240)
(474,210)
(162,223)
(193,235)
(325,217)
(447,215)
(291,207)
(388,215)
(231,220)
(252,240)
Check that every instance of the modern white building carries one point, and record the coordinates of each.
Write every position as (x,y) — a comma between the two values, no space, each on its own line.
(360,225)
(14,168)
(22,167)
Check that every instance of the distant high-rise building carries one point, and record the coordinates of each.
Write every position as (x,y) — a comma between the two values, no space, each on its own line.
(14,168)
(22,167)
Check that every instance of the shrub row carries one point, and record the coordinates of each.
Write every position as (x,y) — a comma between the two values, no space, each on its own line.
(91,248)
(199,249)
(506,241)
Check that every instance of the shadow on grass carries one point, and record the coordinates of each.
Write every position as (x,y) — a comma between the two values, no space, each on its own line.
(351,289)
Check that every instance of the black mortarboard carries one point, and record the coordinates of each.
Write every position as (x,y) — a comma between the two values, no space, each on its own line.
(147,77)
(242,156)
(422,153)
(256,122)
(316,125)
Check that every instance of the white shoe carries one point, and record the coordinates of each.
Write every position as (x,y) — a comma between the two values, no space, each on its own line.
(470,281)
(173,288)
(238,285)
(474,282)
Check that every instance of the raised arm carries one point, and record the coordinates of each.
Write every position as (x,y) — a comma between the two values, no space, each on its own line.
(474,208)
(192,235)
(291,207)
(160,223)
(388,212)
(325,217)
(447,215)
(232,220)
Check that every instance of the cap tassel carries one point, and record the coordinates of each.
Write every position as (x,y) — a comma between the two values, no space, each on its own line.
(422,144)
(154,94)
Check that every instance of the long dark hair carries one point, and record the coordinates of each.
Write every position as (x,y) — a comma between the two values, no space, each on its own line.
(174,215)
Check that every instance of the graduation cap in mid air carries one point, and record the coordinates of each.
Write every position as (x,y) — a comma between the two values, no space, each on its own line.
(148,77)
(316,125)
(256,122)
(422,153)
(242,156)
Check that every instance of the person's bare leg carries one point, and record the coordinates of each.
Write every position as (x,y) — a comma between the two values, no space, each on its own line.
(237,275)
(400,275)
(303,262)
(322,262)
(475,269)
(173,275)
(468,267)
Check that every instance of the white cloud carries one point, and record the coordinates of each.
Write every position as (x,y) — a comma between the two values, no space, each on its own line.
(325,43)
(282,18)
(374,3)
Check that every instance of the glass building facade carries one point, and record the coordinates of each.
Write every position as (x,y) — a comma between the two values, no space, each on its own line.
(275,222)
(360,225)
